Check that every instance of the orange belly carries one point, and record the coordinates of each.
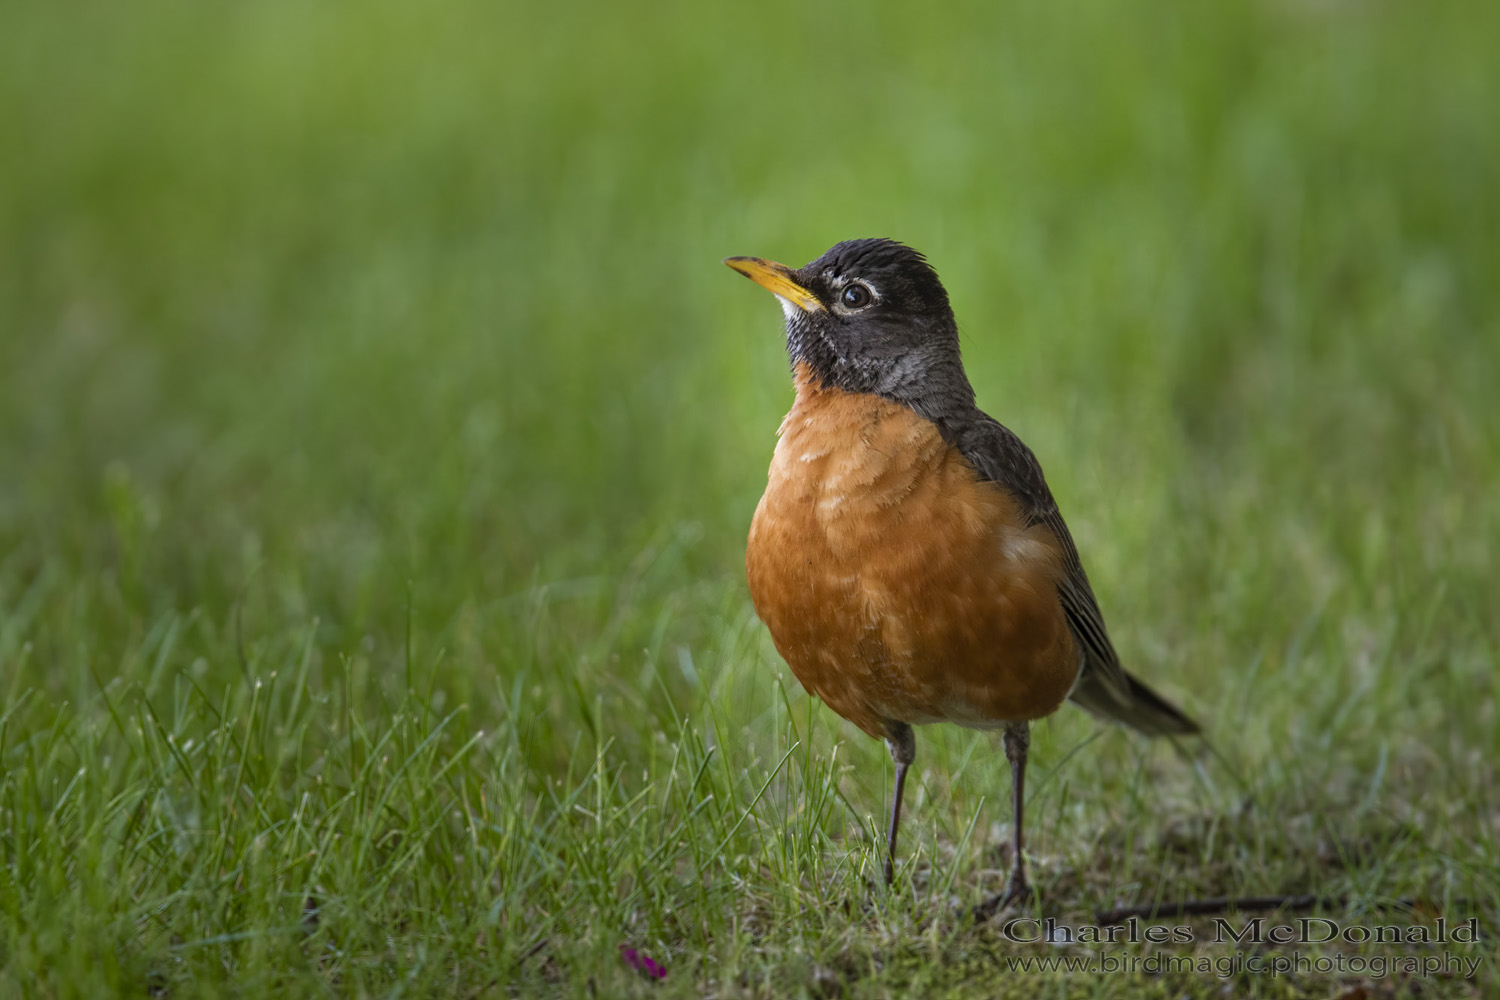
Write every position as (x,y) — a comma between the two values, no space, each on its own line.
(897,585)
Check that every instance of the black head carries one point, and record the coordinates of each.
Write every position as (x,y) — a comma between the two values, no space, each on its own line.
(871,316)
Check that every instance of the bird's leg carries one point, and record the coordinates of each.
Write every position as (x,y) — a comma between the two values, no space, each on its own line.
(903,747)
(1017,739)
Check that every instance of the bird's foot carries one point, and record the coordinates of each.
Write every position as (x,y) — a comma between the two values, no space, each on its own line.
(1018,893)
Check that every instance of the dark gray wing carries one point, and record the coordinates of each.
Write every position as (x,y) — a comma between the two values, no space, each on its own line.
(1103,687)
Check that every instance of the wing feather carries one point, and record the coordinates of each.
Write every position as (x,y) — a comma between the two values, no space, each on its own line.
(1103,687)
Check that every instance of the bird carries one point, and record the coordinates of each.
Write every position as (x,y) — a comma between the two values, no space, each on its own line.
(907,556)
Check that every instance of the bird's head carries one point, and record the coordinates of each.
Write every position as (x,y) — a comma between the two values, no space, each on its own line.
(870,316)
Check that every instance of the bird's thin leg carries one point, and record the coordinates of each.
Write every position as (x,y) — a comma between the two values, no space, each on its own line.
(1017,739)
(903,747)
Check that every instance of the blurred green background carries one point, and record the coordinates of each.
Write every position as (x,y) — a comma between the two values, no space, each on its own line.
(405,324)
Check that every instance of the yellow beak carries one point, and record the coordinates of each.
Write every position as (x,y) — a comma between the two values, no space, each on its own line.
(777,278)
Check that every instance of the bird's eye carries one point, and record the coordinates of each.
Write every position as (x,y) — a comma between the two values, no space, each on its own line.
(856,295)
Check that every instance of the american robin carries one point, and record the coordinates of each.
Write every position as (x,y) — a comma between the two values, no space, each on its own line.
(907,556)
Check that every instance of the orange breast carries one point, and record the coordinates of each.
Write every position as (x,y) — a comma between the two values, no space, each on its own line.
(896,584)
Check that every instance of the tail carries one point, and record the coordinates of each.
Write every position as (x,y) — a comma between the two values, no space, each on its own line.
(1132,703)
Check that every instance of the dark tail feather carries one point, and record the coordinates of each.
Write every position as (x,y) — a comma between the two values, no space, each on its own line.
(1137,705)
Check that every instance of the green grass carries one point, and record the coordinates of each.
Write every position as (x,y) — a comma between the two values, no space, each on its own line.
(379,434)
